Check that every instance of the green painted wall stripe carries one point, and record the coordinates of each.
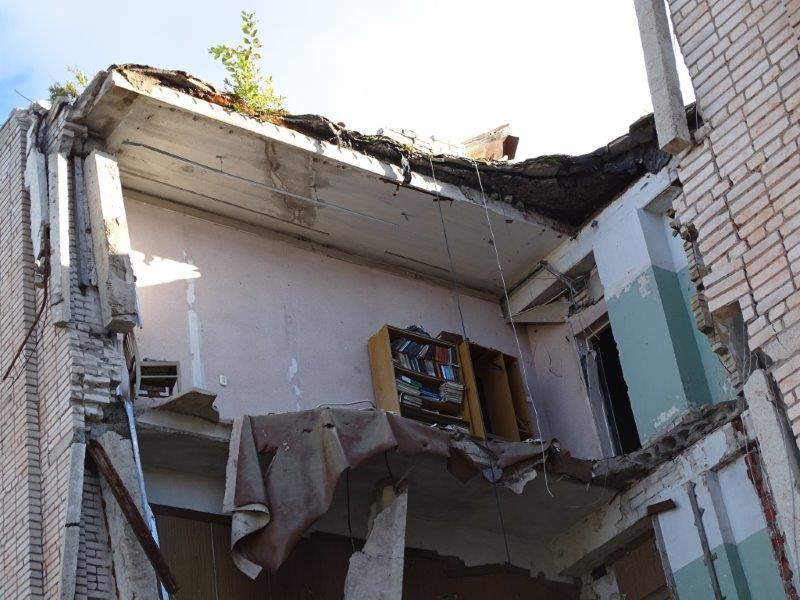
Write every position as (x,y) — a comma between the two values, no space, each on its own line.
(668,364)
(746,571)
(681,327)
(648,359)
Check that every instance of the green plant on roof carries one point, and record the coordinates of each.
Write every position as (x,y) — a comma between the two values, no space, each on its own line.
(252,91)
(69,89)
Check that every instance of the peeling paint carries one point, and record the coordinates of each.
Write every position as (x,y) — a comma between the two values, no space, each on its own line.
(290,376)
(665,417)
(644,285)
(193,322)
(292,370)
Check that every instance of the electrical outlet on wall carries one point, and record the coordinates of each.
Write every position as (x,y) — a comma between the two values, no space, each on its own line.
(223,380)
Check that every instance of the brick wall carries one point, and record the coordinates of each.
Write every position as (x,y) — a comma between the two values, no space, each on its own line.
(55,387)
(742,178)
(94,575)
(22,573)
(58,422)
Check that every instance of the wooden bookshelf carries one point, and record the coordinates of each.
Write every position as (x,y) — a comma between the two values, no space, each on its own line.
(495,388)
(386,370)
(495,402)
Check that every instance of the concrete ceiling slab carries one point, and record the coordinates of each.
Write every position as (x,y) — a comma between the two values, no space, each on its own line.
(198,156)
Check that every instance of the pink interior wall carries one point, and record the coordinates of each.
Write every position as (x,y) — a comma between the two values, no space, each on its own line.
(286,325)
(558,384)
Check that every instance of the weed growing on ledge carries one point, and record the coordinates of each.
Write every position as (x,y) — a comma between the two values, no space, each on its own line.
(253,93)
(69,89)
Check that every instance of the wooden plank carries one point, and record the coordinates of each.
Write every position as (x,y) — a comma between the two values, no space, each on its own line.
(640,575)
(490,369)
(424,377)
(131,512)
(187,544)
(397,332)
(659,507)
(519,397)
(382,367)
(472,405)
(232,584)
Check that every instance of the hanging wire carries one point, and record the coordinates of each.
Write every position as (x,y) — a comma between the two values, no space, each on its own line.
(502,522)
(31,329)
(492,458)
(21,368)
(514,328)
(464,333)
(449,253)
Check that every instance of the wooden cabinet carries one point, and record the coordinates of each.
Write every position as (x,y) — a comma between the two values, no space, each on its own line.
(494,401)
(389,375)
(496,391)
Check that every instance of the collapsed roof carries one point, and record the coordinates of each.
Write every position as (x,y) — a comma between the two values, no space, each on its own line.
(569,189)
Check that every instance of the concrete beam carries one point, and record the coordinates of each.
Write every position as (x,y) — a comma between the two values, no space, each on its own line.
(134,575)
(662,76)
(111,242)
(72,522)
(578,249)
(58,174)
(555,312)
(123,92)
(36,182)
(377,570)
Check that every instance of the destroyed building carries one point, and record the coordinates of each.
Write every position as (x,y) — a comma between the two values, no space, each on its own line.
(273,359)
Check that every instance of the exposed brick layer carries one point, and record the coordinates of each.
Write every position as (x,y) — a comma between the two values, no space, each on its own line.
(61,375)
(94,577)
(742,179)
(23,571)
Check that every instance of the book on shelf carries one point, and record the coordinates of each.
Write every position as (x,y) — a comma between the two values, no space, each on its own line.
(451,391)
(428,359)
(431,416)
(448,397)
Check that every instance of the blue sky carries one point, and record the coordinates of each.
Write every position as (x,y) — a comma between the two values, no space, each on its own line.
(568,74)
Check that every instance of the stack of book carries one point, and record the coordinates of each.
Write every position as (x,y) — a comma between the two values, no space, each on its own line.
(415,394)
(450,391)
(428,359)
(449,396)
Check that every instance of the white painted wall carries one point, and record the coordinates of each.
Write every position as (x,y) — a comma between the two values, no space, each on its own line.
(287,326)
(184,490)
(630,245)
(559,387)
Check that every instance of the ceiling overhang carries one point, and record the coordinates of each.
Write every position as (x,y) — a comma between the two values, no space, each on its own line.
(197,156)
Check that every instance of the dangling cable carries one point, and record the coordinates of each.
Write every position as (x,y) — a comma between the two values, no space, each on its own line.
(464,333)
(449,254)
(492,458)
(514,328)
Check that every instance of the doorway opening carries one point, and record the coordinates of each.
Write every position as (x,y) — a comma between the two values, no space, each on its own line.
(614,392)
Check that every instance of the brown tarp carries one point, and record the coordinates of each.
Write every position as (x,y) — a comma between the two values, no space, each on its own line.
(283,469)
